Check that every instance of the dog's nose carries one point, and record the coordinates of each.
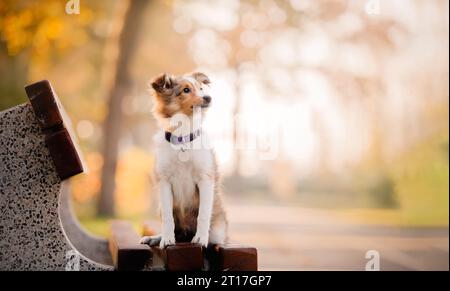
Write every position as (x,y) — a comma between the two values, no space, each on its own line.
(207,99)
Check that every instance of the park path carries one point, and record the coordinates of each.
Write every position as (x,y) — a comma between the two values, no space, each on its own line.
(294,238)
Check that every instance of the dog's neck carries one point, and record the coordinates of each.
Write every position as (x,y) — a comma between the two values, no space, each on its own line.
(181,126)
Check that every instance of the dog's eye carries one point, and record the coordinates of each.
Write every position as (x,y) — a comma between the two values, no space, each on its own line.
(186,90)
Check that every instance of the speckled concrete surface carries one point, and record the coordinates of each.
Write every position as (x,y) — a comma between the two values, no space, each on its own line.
(31,234)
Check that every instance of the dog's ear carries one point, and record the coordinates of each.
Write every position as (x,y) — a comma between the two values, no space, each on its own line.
(202,78)
(163,83)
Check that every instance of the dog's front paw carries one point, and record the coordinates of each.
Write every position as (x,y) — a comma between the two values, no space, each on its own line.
(200,239)
(167,240)
(153,240)
(146,240)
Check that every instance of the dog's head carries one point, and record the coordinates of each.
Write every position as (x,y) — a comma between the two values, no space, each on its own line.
(180,94)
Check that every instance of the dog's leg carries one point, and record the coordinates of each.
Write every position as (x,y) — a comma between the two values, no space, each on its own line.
(206,193)
(218,233)
(151,240)
(168,224)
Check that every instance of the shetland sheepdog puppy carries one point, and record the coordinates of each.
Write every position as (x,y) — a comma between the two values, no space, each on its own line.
(186,170)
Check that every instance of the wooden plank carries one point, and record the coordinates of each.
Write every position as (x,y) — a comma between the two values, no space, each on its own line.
(126,251)
(45,104)
(50,116)
(63,153)
(179,257)
(232,257)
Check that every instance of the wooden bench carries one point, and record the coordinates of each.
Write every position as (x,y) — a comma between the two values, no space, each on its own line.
(179,257)
(126,251)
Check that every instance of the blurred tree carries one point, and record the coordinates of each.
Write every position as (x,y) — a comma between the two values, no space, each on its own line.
(126,46)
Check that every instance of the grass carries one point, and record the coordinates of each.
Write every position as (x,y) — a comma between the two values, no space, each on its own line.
(99,226)
(422,183)
(421,187)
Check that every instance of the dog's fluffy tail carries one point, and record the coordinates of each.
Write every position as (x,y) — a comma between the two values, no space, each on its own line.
(153,240)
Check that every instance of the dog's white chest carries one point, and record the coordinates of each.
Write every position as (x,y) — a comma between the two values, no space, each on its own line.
(183,170)
(183,184)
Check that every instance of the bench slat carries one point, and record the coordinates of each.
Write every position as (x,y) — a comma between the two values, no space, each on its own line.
(179,257)
(126,251)
(56,127)
(232,257)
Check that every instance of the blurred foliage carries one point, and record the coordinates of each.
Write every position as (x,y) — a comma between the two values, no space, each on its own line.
(86,186)
(36,36)
(133,184)
(42,28)
(376,127)
(424,169)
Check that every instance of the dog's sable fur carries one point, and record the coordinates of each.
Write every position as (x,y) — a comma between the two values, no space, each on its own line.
(191,204)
